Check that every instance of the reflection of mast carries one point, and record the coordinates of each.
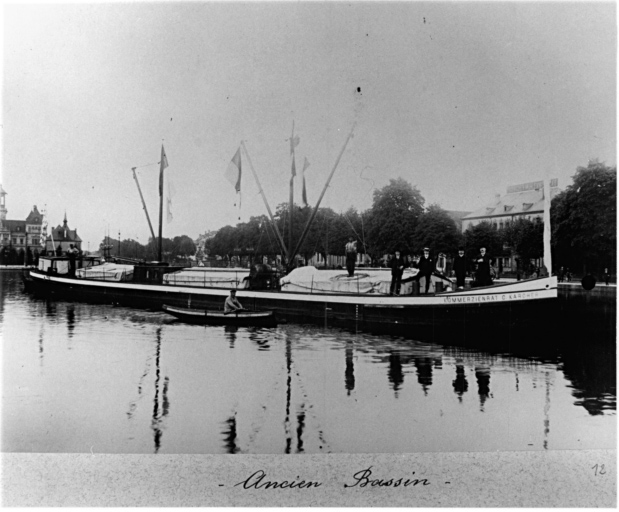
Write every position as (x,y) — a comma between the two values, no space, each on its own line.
(288,392)
(546,411)
(300,426)
(157,415)
(349,375)
(460,384)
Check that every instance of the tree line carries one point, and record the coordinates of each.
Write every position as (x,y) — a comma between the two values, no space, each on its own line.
(583,219)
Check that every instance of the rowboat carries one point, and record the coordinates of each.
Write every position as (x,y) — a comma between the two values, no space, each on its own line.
(219,317)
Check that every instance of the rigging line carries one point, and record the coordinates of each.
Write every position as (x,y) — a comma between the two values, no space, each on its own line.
(146,165)
(353,227)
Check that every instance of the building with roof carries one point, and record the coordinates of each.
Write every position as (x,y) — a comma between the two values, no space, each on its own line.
(61,237)
(521,201)
(20,234)
(525,201)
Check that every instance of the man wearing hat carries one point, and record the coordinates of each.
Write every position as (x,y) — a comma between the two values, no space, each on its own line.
(484,262)
(425,266)
(460,268)
(397,265)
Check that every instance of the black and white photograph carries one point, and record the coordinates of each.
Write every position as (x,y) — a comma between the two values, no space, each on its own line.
(314,253)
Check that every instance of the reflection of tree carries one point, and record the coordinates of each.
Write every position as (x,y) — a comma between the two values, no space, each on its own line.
(395,375)
(460,384)
(592,371)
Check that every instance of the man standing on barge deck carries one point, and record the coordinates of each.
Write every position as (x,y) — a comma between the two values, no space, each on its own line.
(484,262)
(351,256)
(460,268)
(397,269)
(426,267)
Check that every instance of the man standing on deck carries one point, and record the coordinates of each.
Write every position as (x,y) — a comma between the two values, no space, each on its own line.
(351,256)
(425,266)
(72,252)
(482,275)
(460,268)
(397,269)
(232,303)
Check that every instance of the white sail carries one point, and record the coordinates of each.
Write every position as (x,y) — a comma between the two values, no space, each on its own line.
(547,254)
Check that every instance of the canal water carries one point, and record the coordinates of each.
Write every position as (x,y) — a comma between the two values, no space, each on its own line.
(88,378)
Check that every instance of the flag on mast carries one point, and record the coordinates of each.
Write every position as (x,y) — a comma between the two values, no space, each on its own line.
(233,173)
(304,192)
(162,165)
(294,141)
(171,194)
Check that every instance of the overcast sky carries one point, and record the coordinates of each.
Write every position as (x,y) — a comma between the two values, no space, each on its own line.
(460,99)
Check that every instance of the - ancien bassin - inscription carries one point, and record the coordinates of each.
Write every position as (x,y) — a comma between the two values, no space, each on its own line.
(360,479)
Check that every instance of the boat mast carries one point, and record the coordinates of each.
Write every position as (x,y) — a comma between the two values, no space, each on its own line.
(266,203)
(162,165)
(311,219)
(135,177)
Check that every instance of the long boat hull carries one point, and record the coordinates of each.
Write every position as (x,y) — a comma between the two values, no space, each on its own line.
(217,317)
(503,306)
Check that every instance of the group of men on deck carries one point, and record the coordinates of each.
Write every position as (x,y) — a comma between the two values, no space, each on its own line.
(426,267)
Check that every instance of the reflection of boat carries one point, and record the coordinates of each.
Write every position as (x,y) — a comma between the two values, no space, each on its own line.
(210,316)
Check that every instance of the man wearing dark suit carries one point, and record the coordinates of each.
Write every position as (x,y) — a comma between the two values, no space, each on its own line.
(460,268)
(397,265)
(482,275)
(426,267)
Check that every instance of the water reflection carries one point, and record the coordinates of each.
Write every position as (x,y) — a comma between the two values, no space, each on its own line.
(260,336)
(424,372)
(349,374)
(482,374)
(70,320)
(396,377)
(255,390)
(229,434)
(460,383)
(231,331)
(160,411)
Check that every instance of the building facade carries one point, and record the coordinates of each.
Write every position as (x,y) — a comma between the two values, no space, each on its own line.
(525,201)
(21,234)
(521,201)
(61,237)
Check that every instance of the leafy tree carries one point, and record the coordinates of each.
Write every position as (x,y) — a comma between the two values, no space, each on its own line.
(438,231)
(584,222)
(484,234)
(525,238)
(393,217)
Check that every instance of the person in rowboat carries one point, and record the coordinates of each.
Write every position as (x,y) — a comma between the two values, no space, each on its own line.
(232,303)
